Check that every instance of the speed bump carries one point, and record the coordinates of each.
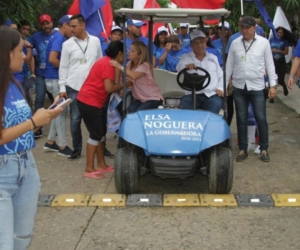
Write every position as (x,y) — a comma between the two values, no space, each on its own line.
(255,200)
(217,200)
(71,200)
(144,200)
(107,200)
(286,200)
(45,200)
(181,200)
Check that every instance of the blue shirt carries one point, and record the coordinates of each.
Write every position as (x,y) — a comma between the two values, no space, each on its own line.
(40,41)
(231,39)
(173,58)
(129,41)
(22,75)
(217,50)
(259,30)
(280,45)
(55,44)
(158,52)
(297,49)
(185,40)
(104,46)
(16,111)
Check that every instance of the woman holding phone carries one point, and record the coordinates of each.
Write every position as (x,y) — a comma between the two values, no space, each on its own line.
(19,179)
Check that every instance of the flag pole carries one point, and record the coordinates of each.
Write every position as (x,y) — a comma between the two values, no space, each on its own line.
(242,7)
(103,28)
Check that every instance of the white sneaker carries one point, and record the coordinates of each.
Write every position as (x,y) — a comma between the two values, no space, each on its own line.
(257,150)
(251,146)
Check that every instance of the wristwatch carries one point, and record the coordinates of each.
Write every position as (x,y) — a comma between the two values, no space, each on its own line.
(29,46)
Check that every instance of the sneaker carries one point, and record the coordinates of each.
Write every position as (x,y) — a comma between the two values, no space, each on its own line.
(38,134)
(264,156)
(65,152)
(242,156)
(51,147)
(257,150)
(107,153)
(251,146)
(75,155)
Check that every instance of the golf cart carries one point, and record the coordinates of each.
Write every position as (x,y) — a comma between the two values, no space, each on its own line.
(171,142)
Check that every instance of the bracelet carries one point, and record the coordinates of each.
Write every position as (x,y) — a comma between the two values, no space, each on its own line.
(291,77)
(122,68)
(30,124)
(33,123)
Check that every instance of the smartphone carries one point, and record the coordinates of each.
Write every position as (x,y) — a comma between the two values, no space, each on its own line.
(62,102)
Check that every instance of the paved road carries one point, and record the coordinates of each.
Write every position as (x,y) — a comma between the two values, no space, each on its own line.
(179,228)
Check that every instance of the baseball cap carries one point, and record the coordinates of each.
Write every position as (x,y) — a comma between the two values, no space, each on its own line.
(226,25)
(45,17)
(183,25)
(248,21)
(162,29)
(116,27)
(197,34)
(8,22)
(134,22)
(64,19)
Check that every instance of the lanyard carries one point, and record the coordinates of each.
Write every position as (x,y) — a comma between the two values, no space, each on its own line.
(247,49)
(87,44)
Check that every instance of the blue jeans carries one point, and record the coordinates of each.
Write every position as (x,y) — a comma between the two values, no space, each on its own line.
(19,190)
(212,104)
(137,105)
(242,97)
(57,125)
(75,125)
(40,92)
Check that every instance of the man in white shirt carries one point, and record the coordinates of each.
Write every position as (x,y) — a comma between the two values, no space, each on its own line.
(249,57)
(78,55)
(209,98)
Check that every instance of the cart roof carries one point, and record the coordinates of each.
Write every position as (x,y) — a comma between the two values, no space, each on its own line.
(172,15)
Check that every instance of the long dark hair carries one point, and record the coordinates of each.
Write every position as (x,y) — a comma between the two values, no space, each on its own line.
(9,40)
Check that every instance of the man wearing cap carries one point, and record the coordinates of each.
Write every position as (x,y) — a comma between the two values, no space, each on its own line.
(184,36)
(135,32)
(116,34)
(249,57)
(57,126)
(40,41)
(78,55)
(209,98)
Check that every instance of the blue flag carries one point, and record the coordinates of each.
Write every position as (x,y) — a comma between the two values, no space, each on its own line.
(90,9)
(263,12)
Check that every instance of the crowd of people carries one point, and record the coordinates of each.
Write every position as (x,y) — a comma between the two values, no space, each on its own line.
(68,62)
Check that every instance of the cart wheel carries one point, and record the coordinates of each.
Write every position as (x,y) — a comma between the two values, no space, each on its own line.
(220,170)
(126,170)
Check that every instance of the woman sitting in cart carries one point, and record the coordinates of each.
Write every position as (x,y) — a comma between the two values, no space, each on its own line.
(139,71)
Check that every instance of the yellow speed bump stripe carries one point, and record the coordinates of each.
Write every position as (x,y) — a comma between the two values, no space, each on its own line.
(108,200)
(71,200)
(286,200)
(181,200)
(217,200)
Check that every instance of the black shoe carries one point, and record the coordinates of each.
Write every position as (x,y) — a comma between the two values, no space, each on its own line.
(107,153)
(38,134)
(271,100)
(75,155)
(51,147)
(285,90)
(264,156)
(243,155)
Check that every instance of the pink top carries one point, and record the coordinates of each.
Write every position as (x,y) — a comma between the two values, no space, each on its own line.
(144,88)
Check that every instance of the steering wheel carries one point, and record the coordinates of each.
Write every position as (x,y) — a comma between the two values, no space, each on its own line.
(193,81)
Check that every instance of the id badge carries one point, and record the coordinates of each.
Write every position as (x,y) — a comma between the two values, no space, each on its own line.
(42,65)
(243,58)
(82,61)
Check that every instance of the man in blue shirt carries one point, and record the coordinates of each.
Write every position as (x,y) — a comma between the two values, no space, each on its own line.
(184,36)
(40,41)
(295,67)
(135,32)
(58,125)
